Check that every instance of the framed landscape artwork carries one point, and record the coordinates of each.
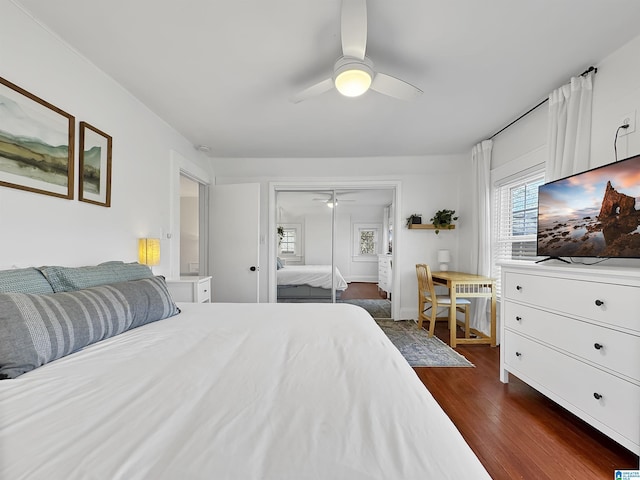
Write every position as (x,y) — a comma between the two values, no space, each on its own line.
(94,184)
(36,143)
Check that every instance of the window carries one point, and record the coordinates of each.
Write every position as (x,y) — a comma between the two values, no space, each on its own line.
(366,241)
(288,242)
(291,242)
(515,220)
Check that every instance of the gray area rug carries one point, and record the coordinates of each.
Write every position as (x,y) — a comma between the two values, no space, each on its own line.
(376,308)
(418,348)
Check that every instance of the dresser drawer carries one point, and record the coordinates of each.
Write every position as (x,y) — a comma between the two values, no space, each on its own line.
(190,289)
(603,302)
(614,350)
(578,384)
(204,291)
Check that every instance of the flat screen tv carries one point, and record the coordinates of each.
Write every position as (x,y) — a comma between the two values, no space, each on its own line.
(592,214)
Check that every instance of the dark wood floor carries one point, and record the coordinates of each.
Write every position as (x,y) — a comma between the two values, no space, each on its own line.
(362,291)
(515,431)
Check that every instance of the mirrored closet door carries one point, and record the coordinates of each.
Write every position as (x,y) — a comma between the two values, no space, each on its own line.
(332,244)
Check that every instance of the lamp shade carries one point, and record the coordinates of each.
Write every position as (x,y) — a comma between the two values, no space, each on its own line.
(353,83)
(444,256)
(149,251)
(352,76)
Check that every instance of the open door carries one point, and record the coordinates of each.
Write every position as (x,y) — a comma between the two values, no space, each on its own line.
(235,242)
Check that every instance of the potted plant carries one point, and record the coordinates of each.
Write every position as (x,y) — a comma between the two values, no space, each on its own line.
(280,234)
(414,219)
(443,218)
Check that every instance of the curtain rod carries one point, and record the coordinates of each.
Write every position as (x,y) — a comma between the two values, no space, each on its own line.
(586,72)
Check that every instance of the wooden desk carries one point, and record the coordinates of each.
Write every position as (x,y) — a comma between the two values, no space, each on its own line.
(468,285)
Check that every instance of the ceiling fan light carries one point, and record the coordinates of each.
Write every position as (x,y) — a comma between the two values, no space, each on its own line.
(353,82)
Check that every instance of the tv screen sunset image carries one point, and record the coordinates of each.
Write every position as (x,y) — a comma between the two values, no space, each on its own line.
(592,214)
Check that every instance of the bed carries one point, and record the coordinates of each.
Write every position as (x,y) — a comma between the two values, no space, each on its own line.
(230,391)
(308,282)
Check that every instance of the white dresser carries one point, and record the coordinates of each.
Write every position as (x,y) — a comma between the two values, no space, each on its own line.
(384,274)
(573,333)
(190,289)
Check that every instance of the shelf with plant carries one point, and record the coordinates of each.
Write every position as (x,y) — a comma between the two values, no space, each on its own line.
(443,220)
(431,226)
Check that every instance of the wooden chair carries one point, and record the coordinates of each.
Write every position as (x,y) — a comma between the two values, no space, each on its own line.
(428,300)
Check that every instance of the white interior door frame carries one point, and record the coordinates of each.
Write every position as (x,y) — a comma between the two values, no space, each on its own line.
(274,187)
(171,233)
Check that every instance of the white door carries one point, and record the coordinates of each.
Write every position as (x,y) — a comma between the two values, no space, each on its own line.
(235,242)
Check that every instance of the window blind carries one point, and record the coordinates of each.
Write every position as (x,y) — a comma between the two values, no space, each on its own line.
(515,221)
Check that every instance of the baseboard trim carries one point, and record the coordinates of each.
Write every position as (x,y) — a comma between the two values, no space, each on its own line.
(363,279)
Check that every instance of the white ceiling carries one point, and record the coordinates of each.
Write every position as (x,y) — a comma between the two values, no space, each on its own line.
(222,72)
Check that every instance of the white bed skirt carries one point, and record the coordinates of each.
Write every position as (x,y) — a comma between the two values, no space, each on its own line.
(312,275)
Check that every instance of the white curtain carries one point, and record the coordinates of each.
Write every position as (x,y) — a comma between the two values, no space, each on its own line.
(481,227)
(569,135)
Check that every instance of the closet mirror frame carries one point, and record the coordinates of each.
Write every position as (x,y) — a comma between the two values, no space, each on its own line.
(272,244)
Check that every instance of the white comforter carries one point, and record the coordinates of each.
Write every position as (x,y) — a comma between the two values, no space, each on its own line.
(314,275)
(232,391)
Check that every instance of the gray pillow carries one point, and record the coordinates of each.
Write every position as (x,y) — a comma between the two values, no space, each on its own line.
(68,279)
(24,280)
(37,329)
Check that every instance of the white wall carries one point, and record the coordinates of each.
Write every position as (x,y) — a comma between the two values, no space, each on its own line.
(428,184)
(317,238)
(361,270)
(38,229)
(616,92)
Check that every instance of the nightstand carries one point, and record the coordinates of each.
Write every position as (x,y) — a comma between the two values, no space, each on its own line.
(190,289)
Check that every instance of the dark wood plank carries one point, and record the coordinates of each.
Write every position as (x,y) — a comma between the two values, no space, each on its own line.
(516,431)
(362,291)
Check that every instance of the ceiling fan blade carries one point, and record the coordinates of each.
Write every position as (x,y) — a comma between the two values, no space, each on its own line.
(340,199)
(313,90)
(394,87)
(354,28)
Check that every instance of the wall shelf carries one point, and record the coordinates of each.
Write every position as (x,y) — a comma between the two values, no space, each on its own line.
(429,226)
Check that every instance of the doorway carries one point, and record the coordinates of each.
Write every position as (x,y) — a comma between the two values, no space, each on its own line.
(193,227)
(331,244)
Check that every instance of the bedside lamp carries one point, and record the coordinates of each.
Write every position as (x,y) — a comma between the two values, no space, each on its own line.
(444,257)
(149,251)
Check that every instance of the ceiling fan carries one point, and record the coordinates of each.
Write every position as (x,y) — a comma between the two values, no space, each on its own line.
(329,201)
(353,73)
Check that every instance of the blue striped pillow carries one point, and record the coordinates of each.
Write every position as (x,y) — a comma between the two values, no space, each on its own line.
(37,329)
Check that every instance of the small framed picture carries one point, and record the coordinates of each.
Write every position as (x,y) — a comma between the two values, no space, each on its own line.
(36,143)
(94,184)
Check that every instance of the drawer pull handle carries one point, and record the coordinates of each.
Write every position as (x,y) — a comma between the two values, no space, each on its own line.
(518,319)
(599,303)
(518,354)
(597,346)
(597,396)
(518,287)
